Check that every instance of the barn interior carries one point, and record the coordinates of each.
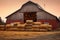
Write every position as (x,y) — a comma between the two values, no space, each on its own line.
(30,16)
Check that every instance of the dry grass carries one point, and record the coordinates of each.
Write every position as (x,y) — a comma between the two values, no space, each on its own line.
(25,35)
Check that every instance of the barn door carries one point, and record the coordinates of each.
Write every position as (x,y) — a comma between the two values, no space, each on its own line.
(30,16)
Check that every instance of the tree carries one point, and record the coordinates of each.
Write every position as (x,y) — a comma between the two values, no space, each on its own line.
(59,18)
(1,22)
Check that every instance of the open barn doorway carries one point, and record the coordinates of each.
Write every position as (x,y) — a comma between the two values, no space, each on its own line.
(30,16)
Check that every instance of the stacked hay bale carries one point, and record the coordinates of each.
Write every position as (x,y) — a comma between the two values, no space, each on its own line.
(36,26)
(46,27)
(15,24)
(29,24)
(12,26)
(2,27)
(21,27)
(9,27)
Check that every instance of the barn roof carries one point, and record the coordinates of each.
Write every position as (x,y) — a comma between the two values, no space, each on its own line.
(30,2)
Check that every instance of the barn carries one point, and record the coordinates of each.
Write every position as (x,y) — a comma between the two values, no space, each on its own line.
(32,11)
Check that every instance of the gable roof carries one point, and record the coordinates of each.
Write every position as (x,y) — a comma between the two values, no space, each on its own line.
(30,2)
(51,15)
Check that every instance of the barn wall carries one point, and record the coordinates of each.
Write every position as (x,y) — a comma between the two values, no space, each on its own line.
(54,23)
(15,17)
(29,8)
(44,15)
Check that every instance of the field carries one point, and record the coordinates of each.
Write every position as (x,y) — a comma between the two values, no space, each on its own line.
(17,35)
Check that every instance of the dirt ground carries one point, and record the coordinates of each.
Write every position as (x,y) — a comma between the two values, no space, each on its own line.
(17,35)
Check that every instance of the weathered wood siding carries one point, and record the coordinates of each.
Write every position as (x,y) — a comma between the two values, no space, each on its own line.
(29,8)
(16,16)
(44,15)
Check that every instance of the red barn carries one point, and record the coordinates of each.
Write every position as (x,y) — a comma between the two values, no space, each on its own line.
(32,11)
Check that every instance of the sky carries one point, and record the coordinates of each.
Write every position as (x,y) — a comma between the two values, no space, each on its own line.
(7,7)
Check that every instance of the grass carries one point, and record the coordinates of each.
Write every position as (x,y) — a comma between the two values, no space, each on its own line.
(23,35)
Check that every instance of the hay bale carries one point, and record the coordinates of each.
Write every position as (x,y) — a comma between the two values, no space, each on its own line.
(35,29)
(8,25)
(15,24)
(45,25)
(22,25)
(29,21)
(43,30)
(2,25)
(1,29)
(37,23)
(12,29)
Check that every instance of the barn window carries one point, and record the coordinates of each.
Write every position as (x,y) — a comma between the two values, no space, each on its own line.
(46,22)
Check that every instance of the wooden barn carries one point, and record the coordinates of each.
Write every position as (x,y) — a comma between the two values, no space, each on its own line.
(32,11)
